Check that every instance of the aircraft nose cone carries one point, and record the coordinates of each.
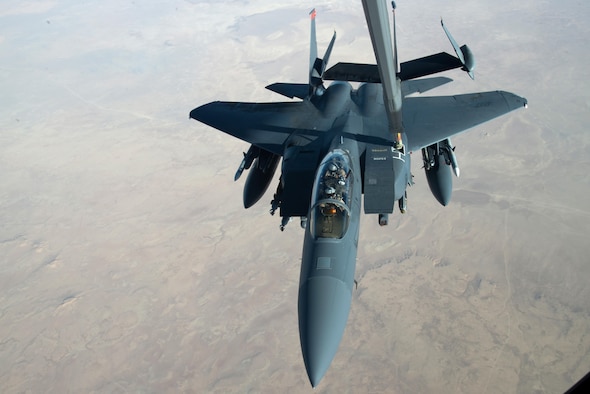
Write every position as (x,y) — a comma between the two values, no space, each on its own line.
(324,303)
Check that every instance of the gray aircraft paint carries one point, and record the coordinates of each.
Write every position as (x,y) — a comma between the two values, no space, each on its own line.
(356,123)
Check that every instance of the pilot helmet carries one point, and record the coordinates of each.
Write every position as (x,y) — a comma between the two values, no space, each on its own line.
(332,167)
(330,190)
(329,210)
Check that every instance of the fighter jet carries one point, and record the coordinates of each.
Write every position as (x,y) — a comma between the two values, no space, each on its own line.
(338,143)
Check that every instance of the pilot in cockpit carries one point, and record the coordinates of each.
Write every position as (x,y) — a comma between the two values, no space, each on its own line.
(328,209)
(332,171)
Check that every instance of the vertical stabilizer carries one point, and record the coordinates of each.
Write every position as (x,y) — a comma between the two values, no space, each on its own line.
(313,44)
(326,57)
(317,66)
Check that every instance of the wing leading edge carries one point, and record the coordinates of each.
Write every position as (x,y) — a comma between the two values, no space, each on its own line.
(266,125)
(431,119)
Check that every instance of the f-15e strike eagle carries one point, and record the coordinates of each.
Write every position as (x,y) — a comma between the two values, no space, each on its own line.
(338,143)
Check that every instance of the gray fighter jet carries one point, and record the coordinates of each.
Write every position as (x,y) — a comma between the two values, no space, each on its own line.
(338,143)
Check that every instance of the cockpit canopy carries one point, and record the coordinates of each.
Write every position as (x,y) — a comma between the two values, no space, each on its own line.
(330,212)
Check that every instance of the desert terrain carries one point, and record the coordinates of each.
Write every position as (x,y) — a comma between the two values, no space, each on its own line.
(128,264)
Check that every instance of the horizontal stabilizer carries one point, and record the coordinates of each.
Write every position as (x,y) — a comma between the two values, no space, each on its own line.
(428,65)
(357,72)
(299,90)
(353,72)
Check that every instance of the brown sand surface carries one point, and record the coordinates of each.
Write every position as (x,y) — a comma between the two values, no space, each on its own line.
(127,263)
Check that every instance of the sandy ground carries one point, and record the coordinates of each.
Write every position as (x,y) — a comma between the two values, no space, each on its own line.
(127,263)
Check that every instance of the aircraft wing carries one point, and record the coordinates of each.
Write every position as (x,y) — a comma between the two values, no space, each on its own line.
(266,125)
(423,85)
(291,90)
(431,119)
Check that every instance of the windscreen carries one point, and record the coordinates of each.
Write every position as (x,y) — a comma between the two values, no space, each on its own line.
(330,213)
